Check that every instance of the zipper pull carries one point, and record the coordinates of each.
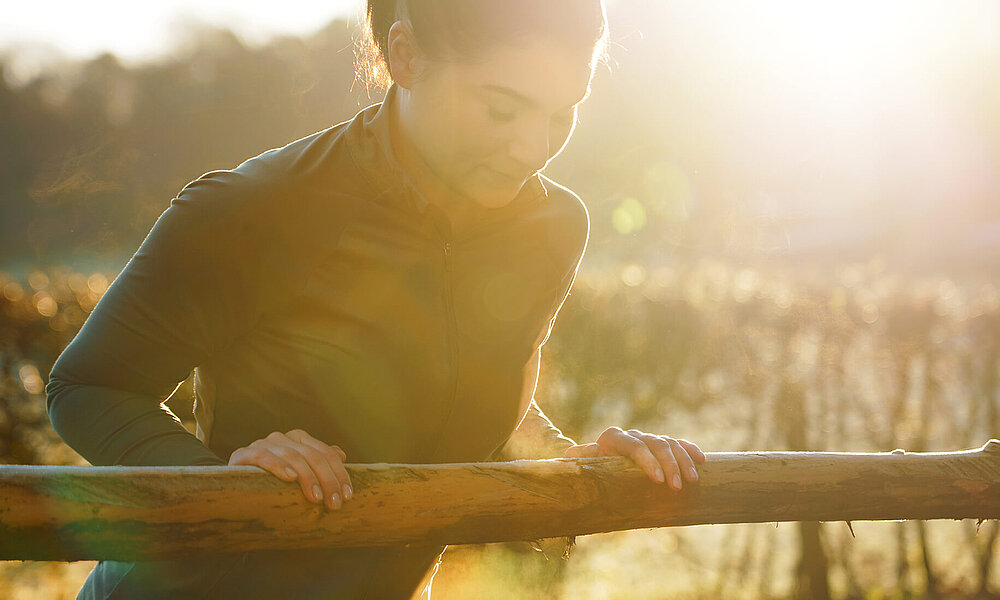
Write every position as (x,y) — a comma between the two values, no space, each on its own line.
(447,248)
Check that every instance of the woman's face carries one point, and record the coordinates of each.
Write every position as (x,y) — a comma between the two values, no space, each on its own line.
(483,128)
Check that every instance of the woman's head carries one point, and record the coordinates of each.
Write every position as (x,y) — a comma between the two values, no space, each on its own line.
(488,89)
(464,30)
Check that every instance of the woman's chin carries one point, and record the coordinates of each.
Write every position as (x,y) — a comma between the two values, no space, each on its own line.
(492,189)
(494,193)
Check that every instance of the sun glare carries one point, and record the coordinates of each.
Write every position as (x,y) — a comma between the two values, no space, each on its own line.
(838,88)
(848,48)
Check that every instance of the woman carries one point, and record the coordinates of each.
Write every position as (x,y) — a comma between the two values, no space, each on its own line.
(378,290)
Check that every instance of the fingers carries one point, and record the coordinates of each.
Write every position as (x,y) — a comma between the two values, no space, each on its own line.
(317,467)
(664,459)
(693,451)
(260,457)
(672,459)
(334,457)
(618,442)
(684,460)
(301,436)
(316,476)
(583,451)
(308,479)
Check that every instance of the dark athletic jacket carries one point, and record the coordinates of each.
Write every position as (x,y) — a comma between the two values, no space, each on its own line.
(314,287)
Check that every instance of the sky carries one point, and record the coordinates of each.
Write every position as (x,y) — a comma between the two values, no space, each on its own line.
(137,31)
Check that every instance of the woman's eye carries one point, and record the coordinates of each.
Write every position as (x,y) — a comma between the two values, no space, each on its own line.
(501,116)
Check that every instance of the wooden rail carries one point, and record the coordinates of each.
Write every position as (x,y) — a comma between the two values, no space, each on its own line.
(132,513)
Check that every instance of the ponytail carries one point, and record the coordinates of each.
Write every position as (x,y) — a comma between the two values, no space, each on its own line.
(372,50)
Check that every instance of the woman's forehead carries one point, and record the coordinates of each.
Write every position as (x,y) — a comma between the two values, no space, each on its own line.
(533,72)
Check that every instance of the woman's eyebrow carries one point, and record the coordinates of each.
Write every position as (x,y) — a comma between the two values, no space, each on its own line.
(521,98)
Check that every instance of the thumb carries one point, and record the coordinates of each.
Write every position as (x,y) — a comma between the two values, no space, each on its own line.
(583,450)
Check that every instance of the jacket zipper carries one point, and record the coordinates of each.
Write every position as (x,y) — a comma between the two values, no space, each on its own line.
(452,341)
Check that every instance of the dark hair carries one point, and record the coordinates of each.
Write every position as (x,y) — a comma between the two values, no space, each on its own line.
(465,29)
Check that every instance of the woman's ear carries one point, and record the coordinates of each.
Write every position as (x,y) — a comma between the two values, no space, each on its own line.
(406,61)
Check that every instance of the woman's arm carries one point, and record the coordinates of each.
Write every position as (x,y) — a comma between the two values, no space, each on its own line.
(224,252)
(199,279)
(535,437)
(115,427)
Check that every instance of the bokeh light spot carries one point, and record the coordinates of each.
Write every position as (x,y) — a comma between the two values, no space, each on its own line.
(629,216)
(633,275)
(45,304)
(13,291)
(97,283)
(31,379)
(38,280)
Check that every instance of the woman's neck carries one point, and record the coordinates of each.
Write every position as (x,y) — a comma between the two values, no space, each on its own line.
(461,211)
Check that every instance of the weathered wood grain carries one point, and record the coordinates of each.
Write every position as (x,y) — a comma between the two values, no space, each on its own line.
(129,513)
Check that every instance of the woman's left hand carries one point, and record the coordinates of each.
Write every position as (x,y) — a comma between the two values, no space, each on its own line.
(663,458)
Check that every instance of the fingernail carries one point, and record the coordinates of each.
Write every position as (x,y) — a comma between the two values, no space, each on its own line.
(336,500)
(659,475)
(291,472)
(694,474)
(348,492)
(317,493)
(677,482)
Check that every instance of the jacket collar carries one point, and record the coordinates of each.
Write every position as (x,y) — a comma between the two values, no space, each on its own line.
(377,158)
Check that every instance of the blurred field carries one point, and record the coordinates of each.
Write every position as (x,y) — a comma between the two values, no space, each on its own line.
(858,359)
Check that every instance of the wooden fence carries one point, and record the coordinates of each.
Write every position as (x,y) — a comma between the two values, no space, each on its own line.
(133,513)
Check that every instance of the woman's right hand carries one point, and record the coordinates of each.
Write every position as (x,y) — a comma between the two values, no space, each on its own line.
(296,455)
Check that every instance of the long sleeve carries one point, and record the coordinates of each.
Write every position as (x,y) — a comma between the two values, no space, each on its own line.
(536,437)
(190,289)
